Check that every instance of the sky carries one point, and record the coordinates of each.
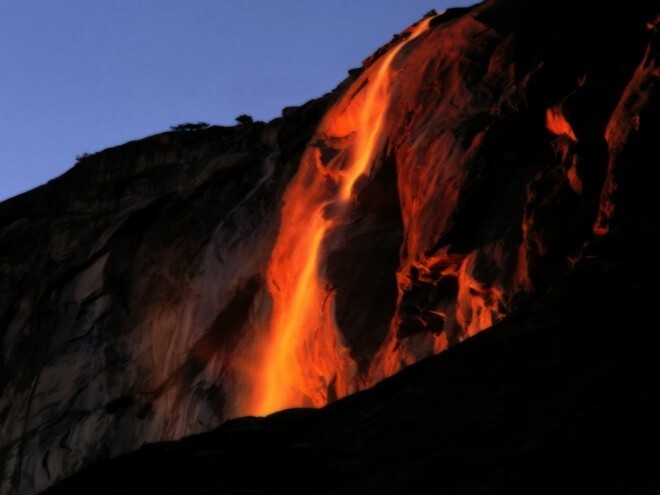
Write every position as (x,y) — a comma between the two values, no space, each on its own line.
(78,76)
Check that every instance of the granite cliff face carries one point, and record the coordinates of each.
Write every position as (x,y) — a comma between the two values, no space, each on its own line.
(469,177)
(123,281)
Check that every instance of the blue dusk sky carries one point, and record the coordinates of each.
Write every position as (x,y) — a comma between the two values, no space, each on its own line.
(82,75)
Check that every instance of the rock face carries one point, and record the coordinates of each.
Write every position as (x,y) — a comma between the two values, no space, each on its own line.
(125,284)
(487,169)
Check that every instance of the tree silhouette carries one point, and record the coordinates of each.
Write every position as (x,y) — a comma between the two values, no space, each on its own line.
(244,119)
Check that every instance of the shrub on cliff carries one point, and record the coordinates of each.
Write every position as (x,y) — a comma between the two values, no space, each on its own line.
(244,119)
(190,127)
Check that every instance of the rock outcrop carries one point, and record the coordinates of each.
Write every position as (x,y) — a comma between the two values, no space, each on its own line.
(487,171)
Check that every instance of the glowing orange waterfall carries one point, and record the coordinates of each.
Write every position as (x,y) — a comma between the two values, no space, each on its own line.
(302,355)
(370,117)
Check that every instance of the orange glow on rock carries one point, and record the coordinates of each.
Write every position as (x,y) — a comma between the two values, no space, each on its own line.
(478,307)
(574,179)
(557,123)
